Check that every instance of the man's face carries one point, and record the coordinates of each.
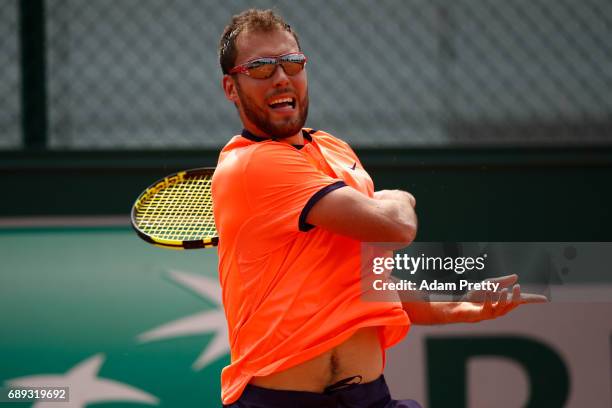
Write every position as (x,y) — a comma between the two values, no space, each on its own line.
(254,97)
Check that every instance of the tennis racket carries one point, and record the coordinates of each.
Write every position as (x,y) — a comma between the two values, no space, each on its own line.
(177,211)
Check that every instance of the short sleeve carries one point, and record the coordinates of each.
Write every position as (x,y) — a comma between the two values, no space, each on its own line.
(282,186)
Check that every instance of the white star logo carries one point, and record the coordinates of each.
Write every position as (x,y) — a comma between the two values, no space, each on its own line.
(204,322)
(84,386)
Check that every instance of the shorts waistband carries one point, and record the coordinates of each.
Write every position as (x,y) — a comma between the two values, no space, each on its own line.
(350,394)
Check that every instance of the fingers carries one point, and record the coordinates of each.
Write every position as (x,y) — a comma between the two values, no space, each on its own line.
(504,281)
(478,296)
(496,304)
(522,298)
(487,307)
(533,298)
(475,296)
(512,303)
(412,200)
(516,294)
(504,305)
(502,302)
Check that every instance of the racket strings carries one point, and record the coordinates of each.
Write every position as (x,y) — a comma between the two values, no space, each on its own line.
(182,211)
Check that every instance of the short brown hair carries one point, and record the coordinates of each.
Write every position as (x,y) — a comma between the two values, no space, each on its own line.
(251,19)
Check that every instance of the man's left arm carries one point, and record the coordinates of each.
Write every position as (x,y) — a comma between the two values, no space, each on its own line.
(475,306)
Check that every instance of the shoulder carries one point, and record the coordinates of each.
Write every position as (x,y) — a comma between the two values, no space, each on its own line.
(327,138)
(333,143)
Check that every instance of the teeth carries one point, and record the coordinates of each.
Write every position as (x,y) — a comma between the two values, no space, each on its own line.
(283,100)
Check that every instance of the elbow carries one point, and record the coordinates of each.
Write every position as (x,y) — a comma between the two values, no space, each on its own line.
(402,229)
(405,234)
(405,226)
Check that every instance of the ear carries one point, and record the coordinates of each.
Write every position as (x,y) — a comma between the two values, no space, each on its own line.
(229,87)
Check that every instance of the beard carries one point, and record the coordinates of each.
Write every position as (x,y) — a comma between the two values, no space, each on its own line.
(279,129)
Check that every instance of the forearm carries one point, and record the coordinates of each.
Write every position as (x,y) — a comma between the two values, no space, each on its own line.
(385,217)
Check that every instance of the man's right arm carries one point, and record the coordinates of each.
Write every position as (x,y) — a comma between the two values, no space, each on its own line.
(388,217)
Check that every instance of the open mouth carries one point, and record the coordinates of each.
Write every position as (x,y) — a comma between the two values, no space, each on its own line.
(280,103)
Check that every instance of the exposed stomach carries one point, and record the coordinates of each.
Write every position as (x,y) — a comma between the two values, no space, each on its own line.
(360,355)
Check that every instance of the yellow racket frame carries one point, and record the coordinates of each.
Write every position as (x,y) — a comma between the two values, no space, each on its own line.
(177,212)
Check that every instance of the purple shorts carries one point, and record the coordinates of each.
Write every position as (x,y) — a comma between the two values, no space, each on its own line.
(374,394)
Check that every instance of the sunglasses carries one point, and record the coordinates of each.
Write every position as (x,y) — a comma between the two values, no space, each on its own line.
(264,67)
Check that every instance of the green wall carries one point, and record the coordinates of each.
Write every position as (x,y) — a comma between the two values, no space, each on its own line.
(545,194)
(71,295)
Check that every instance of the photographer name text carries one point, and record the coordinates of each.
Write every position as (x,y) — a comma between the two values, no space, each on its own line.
(463,284)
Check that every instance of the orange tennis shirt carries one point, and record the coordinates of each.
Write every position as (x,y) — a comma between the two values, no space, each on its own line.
(291,291)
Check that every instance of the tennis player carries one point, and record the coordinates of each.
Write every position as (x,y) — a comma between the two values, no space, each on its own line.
(292,207)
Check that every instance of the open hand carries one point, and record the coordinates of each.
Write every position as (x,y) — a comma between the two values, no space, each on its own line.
(479,305)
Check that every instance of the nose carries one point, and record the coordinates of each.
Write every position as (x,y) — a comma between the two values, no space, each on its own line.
(280,77)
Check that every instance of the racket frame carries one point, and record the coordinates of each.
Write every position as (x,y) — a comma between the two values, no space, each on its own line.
(154,188)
